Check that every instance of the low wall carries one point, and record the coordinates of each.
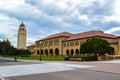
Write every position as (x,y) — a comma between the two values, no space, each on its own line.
(110,57)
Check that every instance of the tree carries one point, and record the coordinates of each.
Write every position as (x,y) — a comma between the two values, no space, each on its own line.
(6,49)
(96,46)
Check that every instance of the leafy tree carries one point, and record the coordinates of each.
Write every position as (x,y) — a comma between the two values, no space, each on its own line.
(96,46)
(6,49)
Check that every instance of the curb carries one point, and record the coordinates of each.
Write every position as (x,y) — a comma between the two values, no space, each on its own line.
(101,71)
(1,77)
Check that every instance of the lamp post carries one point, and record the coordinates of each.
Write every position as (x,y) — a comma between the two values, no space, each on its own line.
(40,52)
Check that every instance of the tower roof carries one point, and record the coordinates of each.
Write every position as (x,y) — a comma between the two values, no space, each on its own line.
(22,24)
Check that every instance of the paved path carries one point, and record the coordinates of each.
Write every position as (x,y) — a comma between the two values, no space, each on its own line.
(69,75)
(3,60)
(45,70)
(18,70)
(104,66)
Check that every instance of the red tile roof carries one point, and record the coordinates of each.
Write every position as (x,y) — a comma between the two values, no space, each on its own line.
(22,24)
(93,33)
(62,34)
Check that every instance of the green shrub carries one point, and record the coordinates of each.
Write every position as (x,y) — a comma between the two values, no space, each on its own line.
(85,58)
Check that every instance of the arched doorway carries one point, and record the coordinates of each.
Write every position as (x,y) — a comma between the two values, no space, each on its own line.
(67,52)
(41,52)
(46,52)
(56,52)
(38,52)
(77,52)
(51,52)
(72,52)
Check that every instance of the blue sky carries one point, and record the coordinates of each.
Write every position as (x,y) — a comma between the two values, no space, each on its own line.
(46,17)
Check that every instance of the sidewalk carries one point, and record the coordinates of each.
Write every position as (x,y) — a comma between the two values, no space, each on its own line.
(112,66)
(101,66)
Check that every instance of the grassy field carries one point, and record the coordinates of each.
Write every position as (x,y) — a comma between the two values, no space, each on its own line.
(37,58)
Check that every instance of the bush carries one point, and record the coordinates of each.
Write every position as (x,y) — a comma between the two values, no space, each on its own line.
(66,58)
(89,58)
(85,58)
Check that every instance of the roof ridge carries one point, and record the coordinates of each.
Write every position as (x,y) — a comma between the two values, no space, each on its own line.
(67,34)
(91,33)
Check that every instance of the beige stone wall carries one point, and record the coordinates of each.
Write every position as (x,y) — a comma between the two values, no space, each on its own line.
(73,47)
(115,46)
(119,46)
(51,46)
(32,50)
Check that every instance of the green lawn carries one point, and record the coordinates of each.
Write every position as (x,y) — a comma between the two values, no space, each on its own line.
(43,58)
(37,58)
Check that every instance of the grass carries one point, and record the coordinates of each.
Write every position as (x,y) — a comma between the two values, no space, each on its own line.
(37,58)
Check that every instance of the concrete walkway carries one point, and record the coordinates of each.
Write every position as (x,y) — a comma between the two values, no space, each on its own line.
(112,66)
(29,69)
(36,67)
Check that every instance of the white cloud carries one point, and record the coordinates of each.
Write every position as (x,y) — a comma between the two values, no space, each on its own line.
(114,29)
(9,27)
(64,13)
(8,5)
(31,40)
(67,7)
(115,12)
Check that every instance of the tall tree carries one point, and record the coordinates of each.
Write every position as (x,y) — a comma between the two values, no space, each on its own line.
(96,46)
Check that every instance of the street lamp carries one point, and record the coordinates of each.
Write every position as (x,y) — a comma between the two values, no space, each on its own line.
(34,53)
(40,52)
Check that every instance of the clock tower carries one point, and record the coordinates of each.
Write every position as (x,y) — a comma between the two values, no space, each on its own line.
(21,40)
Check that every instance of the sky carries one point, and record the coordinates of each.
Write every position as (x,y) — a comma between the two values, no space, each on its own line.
(46,17)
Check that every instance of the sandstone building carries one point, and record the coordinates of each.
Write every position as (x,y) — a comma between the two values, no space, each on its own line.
(21,40)
(66,43)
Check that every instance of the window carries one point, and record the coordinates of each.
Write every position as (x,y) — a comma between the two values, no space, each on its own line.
(64,44)
(56,42)
(71,43)
(37,44)
(45,43)
(81,41)
(51,43)
(76,43)
(67,44)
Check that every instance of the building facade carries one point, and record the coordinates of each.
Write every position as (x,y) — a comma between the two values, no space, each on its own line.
(66,43)
(21,40)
